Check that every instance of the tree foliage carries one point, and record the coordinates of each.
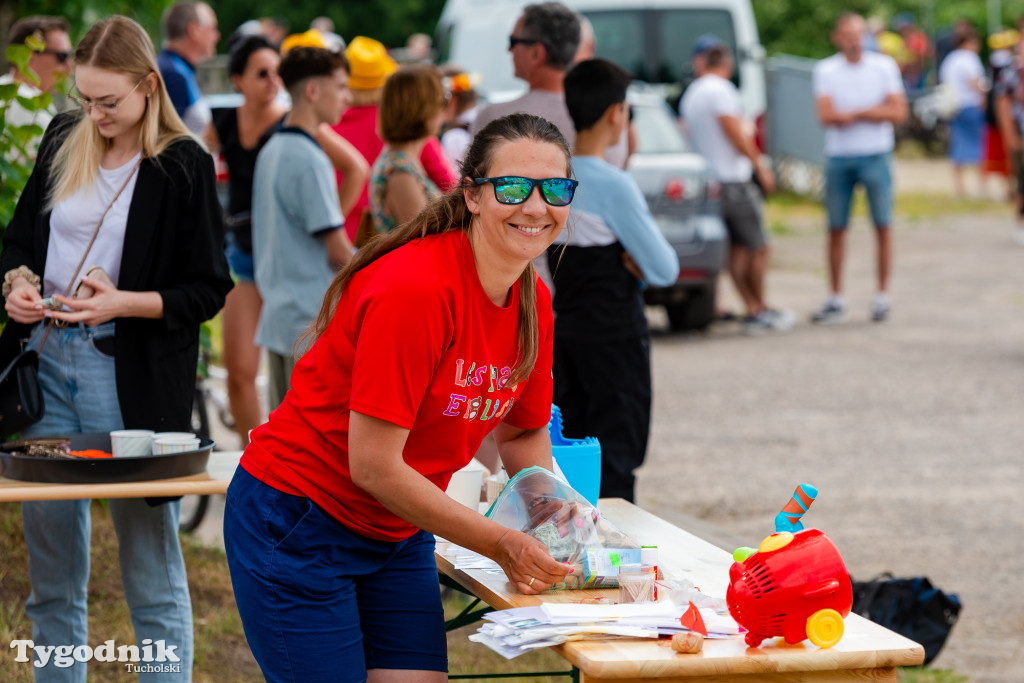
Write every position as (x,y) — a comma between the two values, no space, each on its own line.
(801,27)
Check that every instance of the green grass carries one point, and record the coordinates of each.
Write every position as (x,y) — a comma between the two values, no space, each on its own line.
(787,213)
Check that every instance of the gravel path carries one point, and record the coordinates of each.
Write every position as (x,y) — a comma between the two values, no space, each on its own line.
(912,430)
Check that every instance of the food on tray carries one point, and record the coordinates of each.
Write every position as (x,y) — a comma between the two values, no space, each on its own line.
(92,453)
(48,447)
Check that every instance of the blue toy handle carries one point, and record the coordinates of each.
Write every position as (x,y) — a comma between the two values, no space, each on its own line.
(789,518)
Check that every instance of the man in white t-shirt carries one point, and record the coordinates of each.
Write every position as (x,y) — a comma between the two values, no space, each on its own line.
(964,73)
(48,68)
(859,96)
(713,113)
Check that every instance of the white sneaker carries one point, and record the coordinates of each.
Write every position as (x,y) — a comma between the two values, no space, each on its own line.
(880,310)
(830,314)
(768,321)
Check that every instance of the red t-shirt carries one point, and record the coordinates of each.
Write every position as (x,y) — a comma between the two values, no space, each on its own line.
(414,341)
(358,125)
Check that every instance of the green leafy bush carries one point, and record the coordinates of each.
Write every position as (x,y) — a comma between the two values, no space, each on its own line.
(18,142)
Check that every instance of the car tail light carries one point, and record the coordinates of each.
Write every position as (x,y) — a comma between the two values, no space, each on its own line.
(688,274)
(759,134)
(220,167)
(675,190)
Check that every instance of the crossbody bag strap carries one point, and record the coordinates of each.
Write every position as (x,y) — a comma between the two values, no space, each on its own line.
(88,248)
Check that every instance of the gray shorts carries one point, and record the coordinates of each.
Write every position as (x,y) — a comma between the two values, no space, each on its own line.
(742,214)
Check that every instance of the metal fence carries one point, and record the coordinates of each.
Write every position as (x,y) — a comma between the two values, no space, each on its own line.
(796,140)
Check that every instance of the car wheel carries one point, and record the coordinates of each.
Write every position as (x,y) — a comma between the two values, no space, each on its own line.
(695,312)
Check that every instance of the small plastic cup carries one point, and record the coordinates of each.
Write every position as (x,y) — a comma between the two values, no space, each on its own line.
(126,443)
(174,444)
(171,435)
(636,583)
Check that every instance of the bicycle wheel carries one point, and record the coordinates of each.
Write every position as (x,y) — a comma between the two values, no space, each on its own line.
(193,510)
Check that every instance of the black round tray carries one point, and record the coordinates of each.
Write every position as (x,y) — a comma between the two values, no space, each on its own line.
(103,470)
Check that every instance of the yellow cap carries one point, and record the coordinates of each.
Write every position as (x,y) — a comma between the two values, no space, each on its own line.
(310,38)
(369,63)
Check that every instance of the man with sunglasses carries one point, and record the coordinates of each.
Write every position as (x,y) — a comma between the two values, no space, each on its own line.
(47,68)
(601,361)
(190,37)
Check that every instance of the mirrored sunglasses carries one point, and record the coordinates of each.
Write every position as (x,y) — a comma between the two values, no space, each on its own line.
(516,189)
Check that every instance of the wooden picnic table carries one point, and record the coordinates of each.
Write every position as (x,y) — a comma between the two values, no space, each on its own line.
(867,651)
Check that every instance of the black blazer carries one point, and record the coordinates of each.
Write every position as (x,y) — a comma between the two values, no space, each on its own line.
(173,244)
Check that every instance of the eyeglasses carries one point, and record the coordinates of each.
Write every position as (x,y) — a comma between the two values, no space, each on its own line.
(62,56)
(108,108)
(513,41)
(516,189)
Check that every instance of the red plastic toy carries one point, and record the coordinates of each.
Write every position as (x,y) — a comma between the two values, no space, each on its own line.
(795,586)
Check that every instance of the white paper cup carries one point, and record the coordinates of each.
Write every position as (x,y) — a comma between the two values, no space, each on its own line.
(466,484)
(171,435)
(131,442)
(174,444)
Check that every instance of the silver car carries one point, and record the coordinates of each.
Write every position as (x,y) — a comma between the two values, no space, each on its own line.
(684,200)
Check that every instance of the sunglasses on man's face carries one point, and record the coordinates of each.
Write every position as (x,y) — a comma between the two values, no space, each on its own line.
(62,56)
(514,40)
(516,189)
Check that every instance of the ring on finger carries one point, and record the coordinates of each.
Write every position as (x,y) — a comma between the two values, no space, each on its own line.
(532,579)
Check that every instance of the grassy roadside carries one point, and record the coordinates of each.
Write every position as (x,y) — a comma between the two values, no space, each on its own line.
(222,654)
(791,214)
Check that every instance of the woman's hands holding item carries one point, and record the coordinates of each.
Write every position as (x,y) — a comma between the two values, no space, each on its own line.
(23,302)
(107,303)
(527,564)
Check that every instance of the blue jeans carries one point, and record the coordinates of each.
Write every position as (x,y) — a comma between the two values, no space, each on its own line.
(81,398)
(842,174)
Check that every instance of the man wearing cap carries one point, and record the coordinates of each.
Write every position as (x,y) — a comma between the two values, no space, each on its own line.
(46,67)
(190,37)
(369,66)
(713,114)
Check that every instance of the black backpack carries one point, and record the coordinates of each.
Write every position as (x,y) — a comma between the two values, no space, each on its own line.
(912,607)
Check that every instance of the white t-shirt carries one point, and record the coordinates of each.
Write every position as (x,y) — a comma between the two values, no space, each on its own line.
(855,86)
(73,222)
(19,116)
(958,69)
(707,99)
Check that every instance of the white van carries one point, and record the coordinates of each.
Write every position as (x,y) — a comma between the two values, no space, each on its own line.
(653,39)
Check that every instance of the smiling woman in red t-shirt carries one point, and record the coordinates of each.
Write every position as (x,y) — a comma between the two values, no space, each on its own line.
(435,335)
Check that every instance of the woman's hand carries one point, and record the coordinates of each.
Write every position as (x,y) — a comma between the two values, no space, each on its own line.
(527,563)
(107,303)
(23,302)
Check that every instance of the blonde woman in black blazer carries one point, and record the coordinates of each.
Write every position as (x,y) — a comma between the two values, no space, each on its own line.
(124,357)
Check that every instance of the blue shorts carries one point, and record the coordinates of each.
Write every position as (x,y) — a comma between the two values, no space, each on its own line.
(842,174)
(322,603)
(241,262)
(965,132)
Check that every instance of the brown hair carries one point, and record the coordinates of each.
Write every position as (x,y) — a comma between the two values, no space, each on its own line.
(448,213)
(412,95)
(120,45)
(41,24)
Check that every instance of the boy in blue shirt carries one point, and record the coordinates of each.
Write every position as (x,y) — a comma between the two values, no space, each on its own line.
(602,366)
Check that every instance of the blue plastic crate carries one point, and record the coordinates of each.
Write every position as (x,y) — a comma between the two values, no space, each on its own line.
(579,459)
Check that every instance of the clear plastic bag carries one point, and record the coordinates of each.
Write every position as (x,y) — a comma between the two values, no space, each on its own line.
(539,503)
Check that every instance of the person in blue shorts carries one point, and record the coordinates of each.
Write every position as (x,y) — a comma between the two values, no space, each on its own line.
(601,361)
(859,96)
